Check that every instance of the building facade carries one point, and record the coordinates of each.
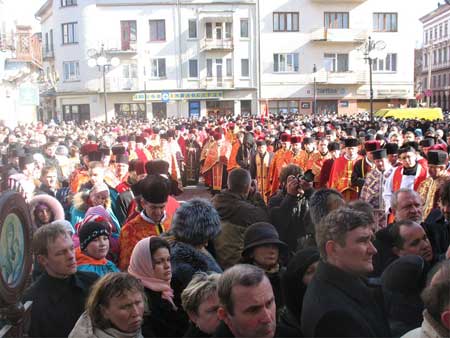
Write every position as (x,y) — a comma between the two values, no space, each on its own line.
(181,58)
(321,44)
(178,58)
(434,84)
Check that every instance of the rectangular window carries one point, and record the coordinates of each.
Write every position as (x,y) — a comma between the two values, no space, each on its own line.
(385,22)
(444,80)
(434,57)
(285,63)
(71,71)
(192,29)
(229,65)
(228,30)
(440,31)
(439,81)
(446,29)
(129,71)
(336,20)
(51,39)
(193,68)
(285,21)
(244,28)
(425,59)
(435,33)
(389,64)
(208,27)
(209,67)
(245,71)
(69,33)
(77,113)
(445,55)
(158,68)
(439,56)
(157,30)
(67,3)
(46,42)
(336,62)
(434,81)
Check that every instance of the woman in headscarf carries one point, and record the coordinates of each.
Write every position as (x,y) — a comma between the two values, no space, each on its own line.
(150,262)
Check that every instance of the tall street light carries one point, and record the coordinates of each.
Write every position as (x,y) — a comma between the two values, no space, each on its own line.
(373,50)
(99,59)
(315,93)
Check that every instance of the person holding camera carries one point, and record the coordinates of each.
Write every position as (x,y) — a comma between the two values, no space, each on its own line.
(289,208)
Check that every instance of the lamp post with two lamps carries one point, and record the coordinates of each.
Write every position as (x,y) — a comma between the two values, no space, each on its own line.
(99,59)
(373,50)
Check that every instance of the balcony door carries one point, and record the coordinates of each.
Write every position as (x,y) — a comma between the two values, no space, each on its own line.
(219,33)
(128,34)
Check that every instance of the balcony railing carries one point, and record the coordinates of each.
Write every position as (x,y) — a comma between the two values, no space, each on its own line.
(344,78)
(344,35)
(115,84)
(120,47)
(217,83)
(212,44)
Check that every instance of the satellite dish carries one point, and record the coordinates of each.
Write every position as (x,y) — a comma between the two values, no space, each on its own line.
(380,45)
(91,53)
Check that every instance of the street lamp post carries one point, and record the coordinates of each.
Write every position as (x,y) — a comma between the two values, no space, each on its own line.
(373,50)
(98,59)
(145,93)
(315,93)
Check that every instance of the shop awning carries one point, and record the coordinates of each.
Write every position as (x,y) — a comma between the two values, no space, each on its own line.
(412,113)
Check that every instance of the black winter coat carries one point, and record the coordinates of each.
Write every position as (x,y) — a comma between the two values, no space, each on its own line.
(57,303)
(338,304)
(163,320)
(291,217)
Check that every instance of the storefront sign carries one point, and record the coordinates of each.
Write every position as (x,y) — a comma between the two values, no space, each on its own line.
(177,96)
(331,91)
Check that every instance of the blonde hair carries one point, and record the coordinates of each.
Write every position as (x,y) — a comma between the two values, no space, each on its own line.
(200,288)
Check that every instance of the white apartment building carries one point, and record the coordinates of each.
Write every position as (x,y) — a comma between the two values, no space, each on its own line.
(435,76)
(298,34)
(178,58)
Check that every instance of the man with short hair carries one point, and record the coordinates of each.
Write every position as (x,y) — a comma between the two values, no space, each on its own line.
(338,302)
(247,303)
(406,204)
(409,238)
(238,209)
(59,295)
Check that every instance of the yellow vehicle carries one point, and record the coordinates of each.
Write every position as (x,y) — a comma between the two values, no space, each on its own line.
(412,113)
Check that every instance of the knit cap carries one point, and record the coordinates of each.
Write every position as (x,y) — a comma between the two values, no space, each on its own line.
(90,231)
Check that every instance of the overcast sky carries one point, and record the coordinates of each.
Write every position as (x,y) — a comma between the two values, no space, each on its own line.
(24,10)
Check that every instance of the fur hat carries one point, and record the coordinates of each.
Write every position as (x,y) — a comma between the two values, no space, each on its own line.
(196,222)
(157,167)
(54,205)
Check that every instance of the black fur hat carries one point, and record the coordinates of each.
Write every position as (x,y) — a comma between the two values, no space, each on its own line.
(196,222)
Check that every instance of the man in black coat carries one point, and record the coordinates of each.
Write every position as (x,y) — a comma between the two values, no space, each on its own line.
(59,295)
(338,301)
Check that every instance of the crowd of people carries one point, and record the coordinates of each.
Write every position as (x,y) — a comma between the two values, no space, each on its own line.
(332,226)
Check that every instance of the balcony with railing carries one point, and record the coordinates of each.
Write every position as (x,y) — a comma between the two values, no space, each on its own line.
(48,54)
(120,47)
(217,83)
(118,84)
(214,44)
(342,35)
